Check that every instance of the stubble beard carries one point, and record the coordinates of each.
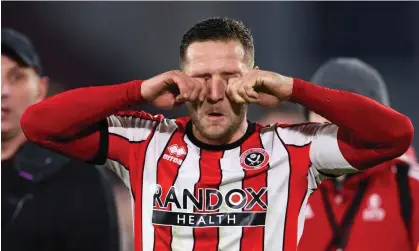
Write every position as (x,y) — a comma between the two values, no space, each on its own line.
(225,134)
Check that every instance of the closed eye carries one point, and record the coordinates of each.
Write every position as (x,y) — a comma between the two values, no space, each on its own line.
(228,75)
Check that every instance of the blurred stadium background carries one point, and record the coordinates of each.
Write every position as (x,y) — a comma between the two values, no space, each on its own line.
(96,43)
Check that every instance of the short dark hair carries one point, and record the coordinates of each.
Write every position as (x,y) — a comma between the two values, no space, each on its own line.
(218,29)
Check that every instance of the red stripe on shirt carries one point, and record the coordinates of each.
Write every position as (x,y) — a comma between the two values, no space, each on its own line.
(167,172)
(207,239)
(297,189)
(253,237)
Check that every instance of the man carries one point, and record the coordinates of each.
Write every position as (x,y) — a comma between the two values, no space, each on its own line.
(213,180)
(374,210)
(48,201)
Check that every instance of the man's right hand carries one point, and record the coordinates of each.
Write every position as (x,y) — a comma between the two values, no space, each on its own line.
(172,88)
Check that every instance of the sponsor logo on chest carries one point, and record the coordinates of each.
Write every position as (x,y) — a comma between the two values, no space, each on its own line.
(239,204)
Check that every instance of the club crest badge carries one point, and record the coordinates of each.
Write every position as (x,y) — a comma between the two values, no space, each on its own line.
(254,158)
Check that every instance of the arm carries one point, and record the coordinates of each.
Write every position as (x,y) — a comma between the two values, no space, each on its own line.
(75,122)
(364,132)
(80,124)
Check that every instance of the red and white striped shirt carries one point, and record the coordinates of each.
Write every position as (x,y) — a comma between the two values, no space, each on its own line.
(248,195)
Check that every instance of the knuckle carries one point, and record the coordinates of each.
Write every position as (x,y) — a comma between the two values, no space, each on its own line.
(172,73)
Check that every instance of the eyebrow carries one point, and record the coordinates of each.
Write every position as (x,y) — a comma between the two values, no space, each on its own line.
(15,68)
(223,73)
(19,67)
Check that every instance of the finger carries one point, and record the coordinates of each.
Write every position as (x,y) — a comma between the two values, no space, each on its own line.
(184,89)
(195,86)
(231,84)
(196,89)
(238,99)
(204,90)
(183,83)
(250,99)
(243,94)
(251,92)
(234,95)
(240,84)
(254,100)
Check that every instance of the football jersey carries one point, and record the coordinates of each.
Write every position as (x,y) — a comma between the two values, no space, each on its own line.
(249,195)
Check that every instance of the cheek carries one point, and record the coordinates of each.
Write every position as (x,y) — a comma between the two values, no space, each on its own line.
(192,109)
(23,96)
(236,108)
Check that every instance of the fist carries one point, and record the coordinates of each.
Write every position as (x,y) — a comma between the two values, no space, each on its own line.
(171,89)
(260,87)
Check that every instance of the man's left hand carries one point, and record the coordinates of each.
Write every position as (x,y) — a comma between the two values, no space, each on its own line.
(260,87)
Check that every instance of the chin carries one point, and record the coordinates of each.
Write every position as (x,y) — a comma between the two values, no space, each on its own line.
(8,131)
(5,127)
(215,136)
(219,125)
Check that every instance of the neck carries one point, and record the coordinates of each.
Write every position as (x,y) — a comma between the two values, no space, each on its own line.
(10,146)
(241,130)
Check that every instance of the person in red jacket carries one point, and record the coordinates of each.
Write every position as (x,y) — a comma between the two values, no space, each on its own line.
(215,180)
(377,209)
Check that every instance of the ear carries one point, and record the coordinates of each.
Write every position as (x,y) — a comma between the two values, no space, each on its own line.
(42,88)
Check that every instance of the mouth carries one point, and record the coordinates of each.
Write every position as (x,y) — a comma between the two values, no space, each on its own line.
(215,115)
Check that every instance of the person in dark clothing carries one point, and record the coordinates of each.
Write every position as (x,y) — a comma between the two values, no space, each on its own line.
(48,201)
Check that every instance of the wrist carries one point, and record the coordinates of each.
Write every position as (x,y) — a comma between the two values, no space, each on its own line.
(299,90)
(287,88)
(134,92)
(282,87)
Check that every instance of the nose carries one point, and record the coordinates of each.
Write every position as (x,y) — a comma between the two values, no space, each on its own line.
(5,88)
(216,90)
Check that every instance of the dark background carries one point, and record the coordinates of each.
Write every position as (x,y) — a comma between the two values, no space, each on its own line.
(96,43)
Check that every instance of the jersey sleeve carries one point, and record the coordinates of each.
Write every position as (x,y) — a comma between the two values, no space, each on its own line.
(325,155)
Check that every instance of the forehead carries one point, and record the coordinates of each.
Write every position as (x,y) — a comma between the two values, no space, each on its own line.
(9,65)
(215,56)
(7,62)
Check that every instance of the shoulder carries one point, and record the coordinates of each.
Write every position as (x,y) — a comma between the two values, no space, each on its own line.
(304,133)
(134,119)
(294,126)
(139,114)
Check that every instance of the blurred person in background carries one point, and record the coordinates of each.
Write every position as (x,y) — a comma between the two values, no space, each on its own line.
(263,174)
(48,201)
(286,113)
(124,206)
(377,209)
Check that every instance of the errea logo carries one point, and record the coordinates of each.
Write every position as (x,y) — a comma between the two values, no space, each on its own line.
(176,154)
(176,150)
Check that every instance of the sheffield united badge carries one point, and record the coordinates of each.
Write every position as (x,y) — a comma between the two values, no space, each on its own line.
(254,158)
